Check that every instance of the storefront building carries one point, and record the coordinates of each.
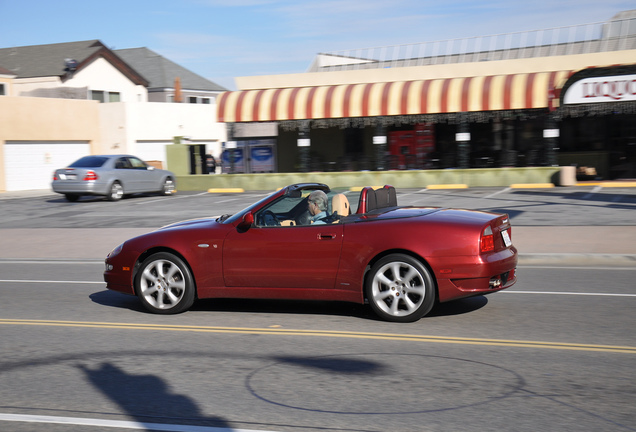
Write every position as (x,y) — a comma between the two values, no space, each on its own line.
(517,105)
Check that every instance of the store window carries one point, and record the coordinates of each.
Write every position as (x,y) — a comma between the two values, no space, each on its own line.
(2,90)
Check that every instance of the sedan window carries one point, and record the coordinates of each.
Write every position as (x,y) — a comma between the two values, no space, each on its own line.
(122,163)
(137,163)
(89,162)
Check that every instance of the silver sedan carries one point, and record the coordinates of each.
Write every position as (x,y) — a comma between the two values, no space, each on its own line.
(112,176)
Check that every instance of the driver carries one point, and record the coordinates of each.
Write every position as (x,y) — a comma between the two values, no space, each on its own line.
(317,205)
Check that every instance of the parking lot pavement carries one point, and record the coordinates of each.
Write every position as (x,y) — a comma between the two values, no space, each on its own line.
(585,225)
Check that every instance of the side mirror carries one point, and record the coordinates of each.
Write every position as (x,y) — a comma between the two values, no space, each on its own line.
(246,222)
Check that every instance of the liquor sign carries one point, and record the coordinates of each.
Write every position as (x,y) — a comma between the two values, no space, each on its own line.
(618,88)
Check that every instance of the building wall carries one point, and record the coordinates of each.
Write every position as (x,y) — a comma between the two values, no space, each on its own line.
(486,68)
(45,119)
(99,75)
(7,81)
(132,127)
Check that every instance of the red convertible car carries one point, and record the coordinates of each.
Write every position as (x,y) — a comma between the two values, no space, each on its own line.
(305,242)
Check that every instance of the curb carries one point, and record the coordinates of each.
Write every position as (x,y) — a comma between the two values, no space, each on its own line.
(577,260)
(226,190)
(531,185)
(447,186)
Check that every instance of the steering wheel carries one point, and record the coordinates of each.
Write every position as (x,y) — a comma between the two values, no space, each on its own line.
(268,218)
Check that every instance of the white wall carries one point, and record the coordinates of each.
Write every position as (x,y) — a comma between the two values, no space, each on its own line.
(134,127)
(101,75)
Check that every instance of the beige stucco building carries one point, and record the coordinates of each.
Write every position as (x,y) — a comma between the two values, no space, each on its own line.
(483,102)
(88,101)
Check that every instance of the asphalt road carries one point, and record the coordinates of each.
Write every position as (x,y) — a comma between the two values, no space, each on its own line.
(555,352)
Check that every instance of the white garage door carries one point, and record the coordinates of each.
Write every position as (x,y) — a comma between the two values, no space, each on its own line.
(30,164)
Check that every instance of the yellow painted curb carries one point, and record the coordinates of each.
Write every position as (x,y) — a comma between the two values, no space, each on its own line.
(531,185)
(226,190)
(589,183)
(447,186)
(618,184)
(359,188)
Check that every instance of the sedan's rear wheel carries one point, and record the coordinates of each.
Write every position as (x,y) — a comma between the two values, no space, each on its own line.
(164,284)
(71,197)
(400,288)
(116,192)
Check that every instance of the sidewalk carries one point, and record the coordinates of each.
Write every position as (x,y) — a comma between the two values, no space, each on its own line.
(613,246)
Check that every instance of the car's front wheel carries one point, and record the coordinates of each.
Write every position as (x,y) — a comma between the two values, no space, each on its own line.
(116,192)
(164,284)
(400,288)
(168,187)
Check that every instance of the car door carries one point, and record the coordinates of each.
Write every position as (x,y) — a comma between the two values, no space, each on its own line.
(145,179)
(125,175)
(283,256)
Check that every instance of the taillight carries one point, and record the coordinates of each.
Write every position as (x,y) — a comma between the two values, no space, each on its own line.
(54,176)
(487,241)
(90,175)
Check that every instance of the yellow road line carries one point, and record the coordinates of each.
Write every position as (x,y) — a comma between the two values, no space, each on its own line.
(327,333)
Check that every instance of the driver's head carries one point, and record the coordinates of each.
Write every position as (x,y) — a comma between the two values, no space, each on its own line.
(317,202)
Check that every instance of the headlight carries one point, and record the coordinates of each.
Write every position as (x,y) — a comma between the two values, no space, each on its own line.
(115,251)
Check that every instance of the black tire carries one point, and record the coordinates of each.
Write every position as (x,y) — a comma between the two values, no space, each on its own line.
(164,284)
(400,288)
(167,188)
(116,192)
(71,197)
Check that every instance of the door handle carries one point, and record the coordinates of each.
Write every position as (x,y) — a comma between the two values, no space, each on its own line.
(323,236)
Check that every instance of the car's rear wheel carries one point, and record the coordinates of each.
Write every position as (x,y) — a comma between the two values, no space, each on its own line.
(168,187)
(164,284)
(400,288)
(116,192)
(71,197)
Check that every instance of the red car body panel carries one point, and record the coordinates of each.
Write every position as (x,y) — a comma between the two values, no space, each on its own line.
(326,262)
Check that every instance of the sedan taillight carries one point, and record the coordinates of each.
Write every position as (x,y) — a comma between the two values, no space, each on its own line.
(487,241)
(90,175)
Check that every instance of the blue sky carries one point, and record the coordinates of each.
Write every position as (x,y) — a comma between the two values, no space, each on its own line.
(223,39)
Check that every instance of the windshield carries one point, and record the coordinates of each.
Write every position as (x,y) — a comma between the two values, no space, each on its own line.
(230,219)
(89,162)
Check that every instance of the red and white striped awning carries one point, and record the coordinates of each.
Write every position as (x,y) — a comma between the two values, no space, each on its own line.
(483,93)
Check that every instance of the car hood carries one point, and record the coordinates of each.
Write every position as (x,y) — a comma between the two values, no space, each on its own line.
(191,223)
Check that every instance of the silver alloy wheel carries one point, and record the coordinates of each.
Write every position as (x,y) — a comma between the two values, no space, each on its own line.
(116,192)
(162,284)
(168,187)
(398,289)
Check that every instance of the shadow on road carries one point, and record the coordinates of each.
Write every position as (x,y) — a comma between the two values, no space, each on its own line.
(147,398)
(283,307)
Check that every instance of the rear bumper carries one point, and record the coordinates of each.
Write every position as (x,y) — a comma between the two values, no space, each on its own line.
(80,188)
(459,277)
